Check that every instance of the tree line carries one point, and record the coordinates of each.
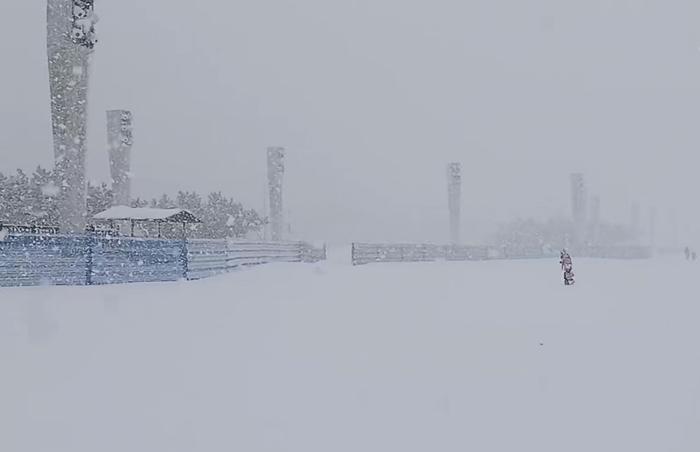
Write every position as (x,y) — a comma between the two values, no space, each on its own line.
(31,200)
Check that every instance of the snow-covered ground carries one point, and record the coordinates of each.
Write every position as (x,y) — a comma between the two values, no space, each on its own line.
(481,356)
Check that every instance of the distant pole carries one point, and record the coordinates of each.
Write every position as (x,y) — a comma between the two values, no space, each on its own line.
(673,219)
(652,228)
(119,142)
(578,207)
(275,178)
(454,198)
(266,214)
(595,219)
(70,39)
(635,220)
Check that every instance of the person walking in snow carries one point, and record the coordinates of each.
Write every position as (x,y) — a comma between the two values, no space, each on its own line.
(567,267)
(694,256)
(687,253)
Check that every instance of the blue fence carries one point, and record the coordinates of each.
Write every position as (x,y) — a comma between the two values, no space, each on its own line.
(31,260)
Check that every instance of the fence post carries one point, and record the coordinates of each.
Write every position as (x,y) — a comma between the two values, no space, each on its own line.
(89,259)
(184,258)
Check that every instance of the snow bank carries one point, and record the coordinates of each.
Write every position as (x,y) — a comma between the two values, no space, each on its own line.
(474,356)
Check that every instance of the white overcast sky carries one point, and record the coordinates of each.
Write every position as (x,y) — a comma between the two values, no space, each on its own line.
(372,98)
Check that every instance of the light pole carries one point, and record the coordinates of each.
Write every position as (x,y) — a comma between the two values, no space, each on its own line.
(70,40)
(454,198)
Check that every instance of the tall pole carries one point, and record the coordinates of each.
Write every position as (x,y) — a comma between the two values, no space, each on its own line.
(578,207)
(454,198)
(652,228)
(673,219)
(595,219)
(275,176)
(119,142)
(635,220)
(70,40)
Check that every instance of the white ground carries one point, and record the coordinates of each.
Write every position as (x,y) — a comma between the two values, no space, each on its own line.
(490,356)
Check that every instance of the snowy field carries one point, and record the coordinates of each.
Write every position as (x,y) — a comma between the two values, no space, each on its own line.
(480,356)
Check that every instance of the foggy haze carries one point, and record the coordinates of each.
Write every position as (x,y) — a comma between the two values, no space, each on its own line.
(373,98)
(360,225)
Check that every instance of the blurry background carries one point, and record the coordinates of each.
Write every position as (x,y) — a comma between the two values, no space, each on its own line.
(372,99)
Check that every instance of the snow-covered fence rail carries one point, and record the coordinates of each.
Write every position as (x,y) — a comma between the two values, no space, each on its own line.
(364,253)
(211,257)
(618,252)
(467,253)
(311,253)
(255,253)
(206,258)
(521,252)
(115,260)
(30,259)
(34,260)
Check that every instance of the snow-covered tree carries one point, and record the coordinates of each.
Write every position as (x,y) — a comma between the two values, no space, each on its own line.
(34,201)
(99,198)
(29,200)
(165,202)
(222,217)
(138,202)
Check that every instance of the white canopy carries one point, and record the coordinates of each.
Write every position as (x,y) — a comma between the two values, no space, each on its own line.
(119,213)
